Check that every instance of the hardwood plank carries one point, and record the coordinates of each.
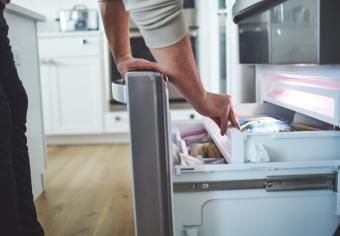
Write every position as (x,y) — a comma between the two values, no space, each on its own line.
(88,192)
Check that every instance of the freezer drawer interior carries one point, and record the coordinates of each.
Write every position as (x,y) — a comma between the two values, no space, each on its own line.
(322,144)
(238,197)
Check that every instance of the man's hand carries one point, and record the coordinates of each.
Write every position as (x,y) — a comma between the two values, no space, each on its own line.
(176,61)
(220,109)
(129,63)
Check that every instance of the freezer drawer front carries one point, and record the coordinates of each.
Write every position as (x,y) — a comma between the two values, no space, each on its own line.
(274,205)
(147,100)
(255,212)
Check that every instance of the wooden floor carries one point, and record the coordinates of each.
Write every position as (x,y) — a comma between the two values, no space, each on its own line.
(88,192)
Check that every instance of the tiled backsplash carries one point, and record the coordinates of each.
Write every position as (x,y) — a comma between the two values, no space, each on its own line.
(50,9)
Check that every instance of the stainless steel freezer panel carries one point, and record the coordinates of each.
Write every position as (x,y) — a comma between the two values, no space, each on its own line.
(288,32)
(147,101)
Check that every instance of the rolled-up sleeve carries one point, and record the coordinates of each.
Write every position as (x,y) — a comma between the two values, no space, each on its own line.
(161,22)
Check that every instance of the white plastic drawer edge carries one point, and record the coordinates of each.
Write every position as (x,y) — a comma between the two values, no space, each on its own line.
(222,142)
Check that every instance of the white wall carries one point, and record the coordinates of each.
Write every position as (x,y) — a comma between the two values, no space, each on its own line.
(50,9)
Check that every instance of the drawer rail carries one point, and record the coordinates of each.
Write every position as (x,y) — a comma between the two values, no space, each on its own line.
(277,183)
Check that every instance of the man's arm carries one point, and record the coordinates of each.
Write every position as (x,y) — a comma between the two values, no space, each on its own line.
(176,61)
(116,24)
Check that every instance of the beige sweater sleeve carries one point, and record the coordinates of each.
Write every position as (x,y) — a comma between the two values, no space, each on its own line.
(161,22)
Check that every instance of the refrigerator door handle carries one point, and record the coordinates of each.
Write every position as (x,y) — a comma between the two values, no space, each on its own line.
(243,9)
(119,91)
(147,101)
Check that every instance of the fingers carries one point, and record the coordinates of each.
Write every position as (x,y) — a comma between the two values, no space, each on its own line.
(233,118)
(225,121)
(140,64)
(134,64)
(216,120)
(165,77)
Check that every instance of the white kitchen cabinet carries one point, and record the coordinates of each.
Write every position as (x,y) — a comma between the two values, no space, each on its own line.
(23,37)
(46,101)
(72,85)
(117,122)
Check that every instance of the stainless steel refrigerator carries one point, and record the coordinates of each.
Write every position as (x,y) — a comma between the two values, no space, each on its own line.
(293,193)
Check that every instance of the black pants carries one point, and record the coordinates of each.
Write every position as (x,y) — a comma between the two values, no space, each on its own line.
(17,211)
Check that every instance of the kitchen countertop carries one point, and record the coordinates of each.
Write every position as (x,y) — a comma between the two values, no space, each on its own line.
(69,34)
(24,12)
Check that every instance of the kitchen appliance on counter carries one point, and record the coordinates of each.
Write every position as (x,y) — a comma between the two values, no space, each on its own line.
(288,31)
(79,18)
(295,193)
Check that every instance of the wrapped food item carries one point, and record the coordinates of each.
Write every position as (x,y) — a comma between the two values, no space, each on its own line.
(211,161)
(263,125)
(206,150)
(198,138)
(174,154)
(187,160)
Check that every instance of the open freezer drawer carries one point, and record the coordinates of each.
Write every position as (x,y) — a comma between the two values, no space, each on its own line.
(237,199)
(294,194)
(274,199)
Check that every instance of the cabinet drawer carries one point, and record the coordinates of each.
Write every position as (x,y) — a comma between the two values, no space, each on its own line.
(69,46)
(117,122)
(293,146)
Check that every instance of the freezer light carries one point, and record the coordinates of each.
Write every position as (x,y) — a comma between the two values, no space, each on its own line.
(311,102)
(305,80)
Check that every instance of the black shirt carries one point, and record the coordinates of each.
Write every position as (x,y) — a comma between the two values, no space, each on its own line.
(3,3)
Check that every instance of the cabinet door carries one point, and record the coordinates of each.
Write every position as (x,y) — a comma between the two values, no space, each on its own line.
(77,95)
(45,71)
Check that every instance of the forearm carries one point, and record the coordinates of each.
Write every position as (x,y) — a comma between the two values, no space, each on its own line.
(179,63)
(116,24)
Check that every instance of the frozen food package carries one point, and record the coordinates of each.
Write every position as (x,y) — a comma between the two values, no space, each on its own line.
(302,122)
(187,160)
(263,124)
(257,153)
(206,150)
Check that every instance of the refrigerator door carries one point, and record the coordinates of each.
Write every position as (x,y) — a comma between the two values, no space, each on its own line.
(238,199)
(243,9)
(146,96)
